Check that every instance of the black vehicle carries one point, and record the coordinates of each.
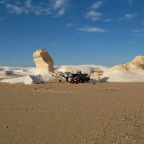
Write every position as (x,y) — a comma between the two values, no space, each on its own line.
(79,78)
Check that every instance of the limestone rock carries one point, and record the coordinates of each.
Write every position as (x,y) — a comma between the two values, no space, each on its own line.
(68,69)
(33,80)
(136,65)
(95,76)
(43,61)
(2,74)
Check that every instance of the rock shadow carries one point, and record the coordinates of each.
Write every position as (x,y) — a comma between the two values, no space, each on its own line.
(105,79)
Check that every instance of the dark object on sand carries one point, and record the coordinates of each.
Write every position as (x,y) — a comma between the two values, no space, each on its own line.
(79,78)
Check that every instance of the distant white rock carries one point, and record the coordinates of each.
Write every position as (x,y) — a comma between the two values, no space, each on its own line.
(13,80)
(30,79)
(136,66)
(2,68)
(121,76)
(3,74)
(66,69)
(130,72)
(95,76)
(44,62)
(89,69)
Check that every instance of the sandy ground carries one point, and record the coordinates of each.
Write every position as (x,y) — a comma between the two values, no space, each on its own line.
(101,113)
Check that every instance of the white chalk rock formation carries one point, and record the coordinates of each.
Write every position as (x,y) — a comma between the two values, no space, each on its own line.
(67,69)
(95,76)
(137,65)
(44,62)
(33,80)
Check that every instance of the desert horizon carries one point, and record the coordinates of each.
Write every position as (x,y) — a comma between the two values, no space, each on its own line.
(86,80)
(38,105)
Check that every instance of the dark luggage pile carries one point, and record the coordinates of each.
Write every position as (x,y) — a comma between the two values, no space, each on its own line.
(79,78)
(76,78)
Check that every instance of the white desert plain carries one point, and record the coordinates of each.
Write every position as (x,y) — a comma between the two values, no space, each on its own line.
(38,106)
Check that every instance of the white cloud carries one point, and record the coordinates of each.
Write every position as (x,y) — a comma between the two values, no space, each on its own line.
(70,25)
(130,2)
(27,7)
(53,7)
(3,1)
(108,20)
(93,15)
(92,29)
(61,12)
(138,30)
(59,6)
(14,8)
(28,4)
(96,5)
(128,16)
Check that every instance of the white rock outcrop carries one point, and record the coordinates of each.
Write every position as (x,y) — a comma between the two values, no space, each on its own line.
(33,80)
(2,74)
(137,65)
(95,76)
(44,62)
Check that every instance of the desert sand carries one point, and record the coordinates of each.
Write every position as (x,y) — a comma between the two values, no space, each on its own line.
(63,113)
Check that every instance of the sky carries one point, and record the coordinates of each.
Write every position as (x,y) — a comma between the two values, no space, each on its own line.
(74,32)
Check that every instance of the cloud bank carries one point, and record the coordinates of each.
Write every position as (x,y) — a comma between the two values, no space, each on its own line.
(92,13)
(92,29)
(53,7)
(128,16)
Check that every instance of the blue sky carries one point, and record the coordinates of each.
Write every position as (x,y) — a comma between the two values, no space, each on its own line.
(104,32)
